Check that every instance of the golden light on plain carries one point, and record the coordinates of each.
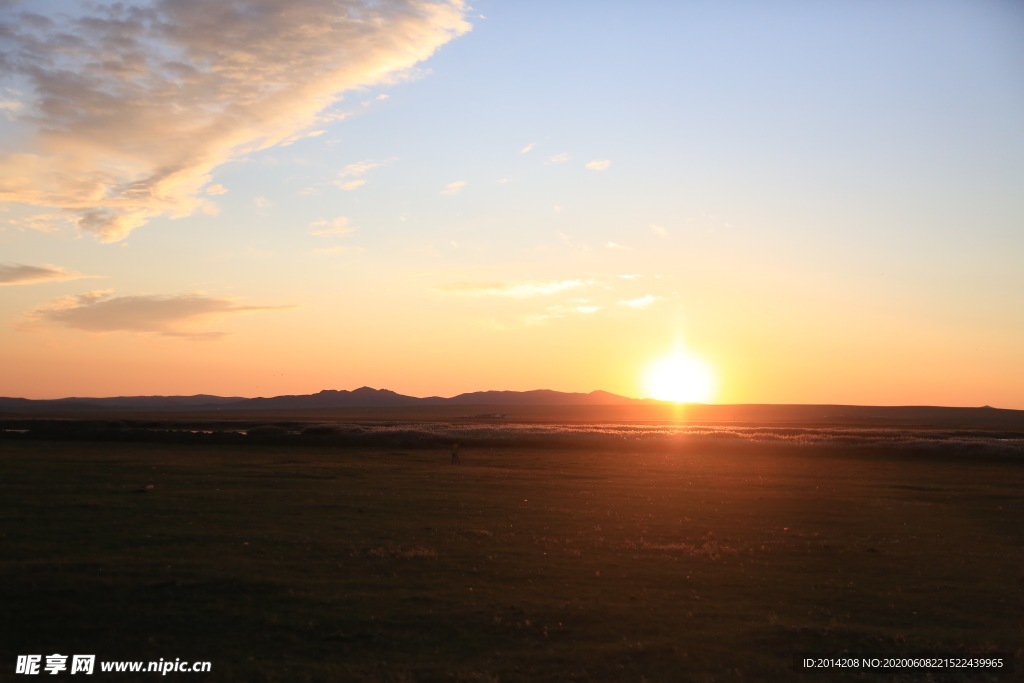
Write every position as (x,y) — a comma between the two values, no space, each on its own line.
(682,378)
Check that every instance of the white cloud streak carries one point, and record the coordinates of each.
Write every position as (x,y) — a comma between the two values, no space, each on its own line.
(349,185)
(641,301)
(338,249)
(598,165)
(133,107)
(43,222)
(515,290)
(361,168)
(557,312)
(453,188)
(339,226)
(351,177)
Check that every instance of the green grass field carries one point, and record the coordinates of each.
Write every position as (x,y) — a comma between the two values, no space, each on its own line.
(339,564)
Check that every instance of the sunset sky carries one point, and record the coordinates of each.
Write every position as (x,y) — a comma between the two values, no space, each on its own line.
(823,201)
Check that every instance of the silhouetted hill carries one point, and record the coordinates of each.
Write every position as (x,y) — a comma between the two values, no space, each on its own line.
(363,397)
(540,397)
(140,402)
(542,404)
(367,397)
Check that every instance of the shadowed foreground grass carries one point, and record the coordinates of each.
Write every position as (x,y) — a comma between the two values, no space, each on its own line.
(285,564)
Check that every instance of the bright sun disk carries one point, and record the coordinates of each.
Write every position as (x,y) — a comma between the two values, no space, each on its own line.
(681,378)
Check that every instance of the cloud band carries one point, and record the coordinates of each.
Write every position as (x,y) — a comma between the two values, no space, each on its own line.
(127,120)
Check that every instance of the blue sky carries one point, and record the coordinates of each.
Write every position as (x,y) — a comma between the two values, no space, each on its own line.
(822,200)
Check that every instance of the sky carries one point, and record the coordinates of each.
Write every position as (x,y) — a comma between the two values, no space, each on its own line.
(819,202)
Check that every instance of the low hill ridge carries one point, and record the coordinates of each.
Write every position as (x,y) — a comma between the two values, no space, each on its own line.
(363,397)
(604,404)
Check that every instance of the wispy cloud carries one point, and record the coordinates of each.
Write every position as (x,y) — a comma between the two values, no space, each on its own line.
(18,274)
(616,245)
(133,106)
(349,185)
(351,177)
(338,249)
(528,148)
(584,306)
(659,230)
(339,226)
(291,140)
(43,222)
(100,311)
(453,188)
(641,301)
(559,158)
(10,104)
(361,168)
(598,165)
(559,311)
(516,290)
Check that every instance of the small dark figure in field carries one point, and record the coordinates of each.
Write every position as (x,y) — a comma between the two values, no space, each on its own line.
(455,454)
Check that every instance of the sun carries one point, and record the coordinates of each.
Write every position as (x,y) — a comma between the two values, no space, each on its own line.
(681,378)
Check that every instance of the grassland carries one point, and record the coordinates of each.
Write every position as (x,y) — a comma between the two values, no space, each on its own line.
(603,563)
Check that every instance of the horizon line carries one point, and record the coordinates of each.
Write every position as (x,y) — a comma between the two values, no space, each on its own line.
(518,391)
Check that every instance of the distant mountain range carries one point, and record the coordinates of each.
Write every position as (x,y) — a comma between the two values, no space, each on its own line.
(542,403)
(364,397)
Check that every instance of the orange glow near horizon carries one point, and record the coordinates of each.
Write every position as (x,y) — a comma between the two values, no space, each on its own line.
(681,377)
